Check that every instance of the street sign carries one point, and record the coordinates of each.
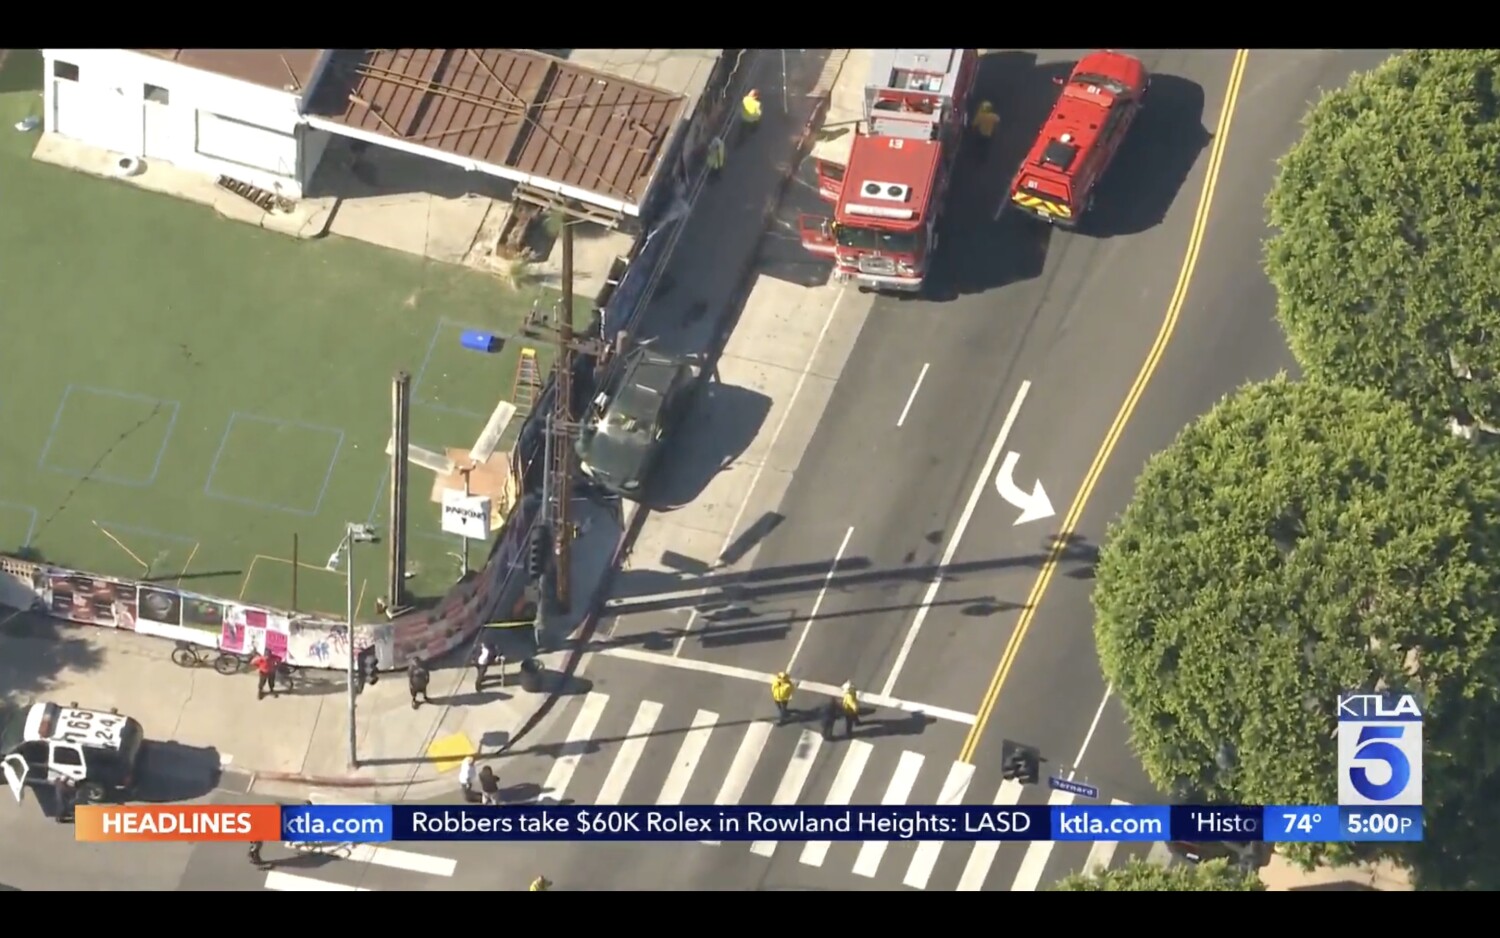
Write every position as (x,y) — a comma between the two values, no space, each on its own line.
(1072,788)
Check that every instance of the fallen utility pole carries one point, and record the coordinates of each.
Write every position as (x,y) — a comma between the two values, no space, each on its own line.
(561,426)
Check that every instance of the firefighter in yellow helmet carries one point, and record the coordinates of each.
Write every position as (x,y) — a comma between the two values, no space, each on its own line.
(984,123)
(781,694)
(849,705)
(541,884)
(750,109)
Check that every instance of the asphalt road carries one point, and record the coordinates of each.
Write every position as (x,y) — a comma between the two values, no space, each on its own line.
(1072,314)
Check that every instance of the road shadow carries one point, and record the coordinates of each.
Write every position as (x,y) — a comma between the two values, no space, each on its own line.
(977,251)
(1081,556)
(780,253)
(35,649)
(172,771)
(1153,162)
(720,425)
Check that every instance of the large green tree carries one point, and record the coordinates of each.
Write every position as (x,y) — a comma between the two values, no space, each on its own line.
(1297,541)
(1141,876)
(1387,217)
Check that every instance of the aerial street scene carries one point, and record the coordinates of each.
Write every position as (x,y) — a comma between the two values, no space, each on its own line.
(749,469)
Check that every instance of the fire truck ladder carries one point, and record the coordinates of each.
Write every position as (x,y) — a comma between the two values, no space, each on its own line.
(528,383)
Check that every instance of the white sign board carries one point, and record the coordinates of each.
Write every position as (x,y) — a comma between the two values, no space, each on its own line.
(466,515)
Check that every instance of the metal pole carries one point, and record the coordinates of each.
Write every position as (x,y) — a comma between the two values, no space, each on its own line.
(349,620)
(785,107)
(464,569)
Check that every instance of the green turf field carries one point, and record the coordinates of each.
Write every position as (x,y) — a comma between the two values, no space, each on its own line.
(180,395)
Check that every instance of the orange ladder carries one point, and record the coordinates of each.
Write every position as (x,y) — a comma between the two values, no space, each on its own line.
(528,384)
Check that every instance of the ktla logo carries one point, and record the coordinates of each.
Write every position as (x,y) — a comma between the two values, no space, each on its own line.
(1380,750)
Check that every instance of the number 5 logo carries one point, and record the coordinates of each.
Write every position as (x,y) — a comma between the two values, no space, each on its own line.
(1370,748)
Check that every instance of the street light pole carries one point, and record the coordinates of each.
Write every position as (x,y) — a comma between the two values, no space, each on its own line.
(349,621)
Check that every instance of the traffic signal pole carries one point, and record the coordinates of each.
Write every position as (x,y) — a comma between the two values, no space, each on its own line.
(349,621)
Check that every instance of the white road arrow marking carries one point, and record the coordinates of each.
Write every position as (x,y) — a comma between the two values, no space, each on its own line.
(1034,506)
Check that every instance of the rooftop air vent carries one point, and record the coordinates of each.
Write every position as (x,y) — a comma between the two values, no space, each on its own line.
(888,191)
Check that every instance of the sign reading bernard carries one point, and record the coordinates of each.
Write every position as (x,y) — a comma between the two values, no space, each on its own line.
(1380,750)
(466,515)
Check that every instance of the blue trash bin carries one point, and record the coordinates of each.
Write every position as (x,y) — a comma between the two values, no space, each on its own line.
(479,341)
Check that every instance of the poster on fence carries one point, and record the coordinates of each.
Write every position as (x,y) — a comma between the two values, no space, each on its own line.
(319,643)
(252,630)
(170,613)
(91,600)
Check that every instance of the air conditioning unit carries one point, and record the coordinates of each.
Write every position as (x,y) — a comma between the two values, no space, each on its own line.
(886,191)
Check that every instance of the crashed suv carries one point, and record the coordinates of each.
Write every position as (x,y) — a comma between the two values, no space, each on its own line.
(630,419)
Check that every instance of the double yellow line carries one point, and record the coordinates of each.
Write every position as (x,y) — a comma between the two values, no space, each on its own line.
(1142,378)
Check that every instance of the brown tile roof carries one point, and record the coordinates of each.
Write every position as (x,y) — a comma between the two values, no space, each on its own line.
(513,108)
(280,69)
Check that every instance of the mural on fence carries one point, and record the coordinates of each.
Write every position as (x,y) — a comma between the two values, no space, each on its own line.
(89,600)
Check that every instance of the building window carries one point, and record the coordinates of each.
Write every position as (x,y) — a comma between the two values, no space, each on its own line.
(157,94)
(67,71)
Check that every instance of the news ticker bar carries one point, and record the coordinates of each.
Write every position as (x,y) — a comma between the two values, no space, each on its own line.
(386,823)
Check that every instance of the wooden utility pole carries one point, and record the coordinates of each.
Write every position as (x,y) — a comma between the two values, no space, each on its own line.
(562,425)
(400,433)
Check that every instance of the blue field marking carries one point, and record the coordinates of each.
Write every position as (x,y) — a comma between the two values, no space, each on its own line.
(30,525)
(444,324)
(338,447)
(96,474)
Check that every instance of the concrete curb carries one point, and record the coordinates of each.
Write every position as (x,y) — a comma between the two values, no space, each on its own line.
(578,643)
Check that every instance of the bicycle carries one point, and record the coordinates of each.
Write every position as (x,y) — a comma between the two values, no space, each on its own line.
(188,655)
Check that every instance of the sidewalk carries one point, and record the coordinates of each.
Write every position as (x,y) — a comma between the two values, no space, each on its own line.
(1281,876)
(285,745)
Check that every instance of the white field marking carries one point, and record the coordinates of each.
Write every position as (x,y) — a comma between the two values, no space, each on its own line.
(1038,852)
(791,402)
(740,770)
(982,856)
(1159,854)
(792,782)
(964,518)
(905,410)
(579,733)
(842,793)
(812,614)
(922,862)
(629,755)
(694,741)
(764,677)
(1034,863)
(1102,853)
(896,793)
(290,882)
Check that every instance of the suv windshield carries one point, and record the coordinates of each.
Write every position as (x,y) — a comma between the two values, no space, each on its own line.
(874,239)
(631,413)
(12,727)
(1099,81)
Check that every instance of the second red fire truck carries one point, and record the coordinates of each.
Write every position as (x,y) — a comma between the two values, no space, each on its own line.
(888,191)
(1099,102)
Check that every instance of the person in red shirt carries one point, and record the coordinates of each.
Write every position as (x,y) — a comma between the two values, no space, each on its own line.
(265,671)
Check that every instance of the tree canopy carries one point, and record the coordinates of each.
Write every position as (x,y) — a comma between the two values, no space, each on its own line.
(1141,876)
(1300,540)
(1387,217)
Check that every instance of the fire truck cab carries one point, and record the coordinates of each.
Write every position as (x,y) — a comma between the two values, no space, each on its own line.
(1099,102)
(888,178)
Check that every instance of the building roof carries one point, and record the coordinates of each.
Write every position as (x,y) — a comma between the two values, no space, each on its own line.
(524,112)
(280,69)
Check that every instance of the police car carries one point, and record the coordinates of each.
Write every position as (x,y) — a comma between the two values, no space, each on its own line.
(99,751)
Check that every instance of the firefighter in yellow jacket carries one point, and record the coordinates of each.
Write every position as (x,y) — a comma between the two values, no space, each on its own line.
(540,884)
(984,123)
(849,706)
(750,109)
(781,695)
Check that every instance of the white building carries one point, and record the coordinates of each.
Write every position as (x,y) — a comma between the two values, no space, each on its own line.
(265,116)
(221,112)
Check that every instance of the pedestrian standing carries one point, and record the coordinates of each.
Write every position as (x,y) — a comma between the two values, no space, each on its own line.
(482,658)
(750,111)
(466,778)
(265,674)
(540,884)
(715,157)
(781,695)
(255,859)
(984,123)
(62,796)
(850,705)
(489,786)
(417,677)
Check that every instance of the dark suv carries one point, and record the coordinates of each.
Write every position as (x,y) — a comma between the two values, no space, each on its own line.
(631,417)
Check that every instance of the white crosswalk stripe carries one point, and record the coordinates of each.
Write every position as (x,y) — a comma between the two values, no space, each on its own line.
(351,857)
(700,753)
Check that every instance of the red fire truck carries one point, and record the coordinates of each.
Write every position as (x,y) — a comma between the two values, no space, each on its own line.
(888,178)
(1099,102)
